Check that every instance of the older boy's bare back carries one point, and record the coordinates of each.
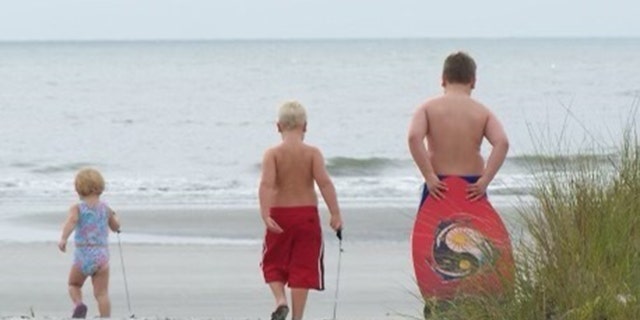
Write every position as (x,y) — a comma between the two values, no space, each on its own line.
(294,174)
(456,127)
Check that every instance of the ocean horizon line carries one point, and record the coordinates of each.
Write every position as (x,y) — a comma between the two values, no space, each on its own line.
(316,39)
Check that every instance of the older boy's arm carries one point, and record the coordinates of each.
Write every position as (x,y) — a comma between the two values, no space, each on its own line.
(327,189)
(415,138)
(500,146)
(498,138)
(67,228)
(267,191)
(114,222)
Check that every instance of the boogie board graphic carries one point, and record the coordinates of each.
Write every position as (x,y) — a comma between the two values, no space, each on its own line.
(460,246)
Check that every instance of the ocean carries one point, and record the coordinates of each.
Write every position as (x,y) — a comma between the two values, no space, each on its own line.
(184,124)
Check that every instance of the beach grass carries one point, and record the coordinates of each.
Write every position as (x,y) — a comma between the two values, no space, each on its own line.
(580,256)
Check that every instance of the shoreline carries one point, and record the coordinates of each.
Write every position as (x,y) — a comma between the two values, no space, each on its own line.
(177,225)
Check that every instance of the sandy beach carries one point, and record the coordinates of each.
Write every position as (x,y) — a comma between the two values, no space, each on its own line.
(214,280)
(218,282)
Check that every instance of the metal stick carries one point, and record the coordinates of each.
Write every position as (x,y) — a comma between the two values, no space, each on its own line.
(335,301)
(124,275)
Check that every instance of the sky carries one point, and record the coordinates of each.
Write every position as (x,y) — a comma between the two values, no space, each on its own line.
(23,20)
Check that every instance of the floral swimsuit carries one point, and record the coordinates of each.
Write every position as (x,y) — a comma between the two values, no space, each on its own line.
(91,238)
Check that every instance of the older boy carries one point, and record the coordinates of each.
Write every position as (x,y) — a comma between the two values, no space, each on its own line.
(454,126)
(293,248)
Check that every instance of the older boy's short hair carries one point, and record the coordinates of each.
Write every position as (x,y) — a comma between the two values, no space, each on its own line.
(89,182)
(459,67)
(291,115)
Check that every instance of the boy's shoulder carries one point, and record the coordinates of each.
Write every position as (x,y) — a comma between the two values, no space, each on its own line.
(312,148)
(436,97)
(433,102)
(304,149)
(276,150)
(444,100)
(285,145)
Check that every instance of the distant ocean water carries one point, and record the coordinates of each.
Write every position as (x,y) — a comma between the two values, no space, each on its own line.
(185,123)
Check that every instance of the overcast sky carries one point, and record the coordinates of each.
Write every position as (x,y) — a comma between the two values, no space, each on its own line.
(258,19)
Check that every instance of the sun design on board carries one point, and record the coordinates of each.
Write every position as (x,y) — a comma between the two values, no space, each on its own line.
(460,250)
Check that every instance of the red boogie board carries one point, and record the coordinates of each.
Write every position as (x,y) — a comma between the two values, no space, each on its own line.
(460,246)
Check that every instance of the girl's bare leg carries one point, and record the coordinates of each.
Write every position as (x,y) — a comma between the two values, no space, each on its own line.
(76,280)
(101,291)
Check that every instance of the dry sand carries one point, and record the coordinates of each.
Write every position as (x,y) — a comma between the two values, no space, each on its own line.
(212,280)
(208,281)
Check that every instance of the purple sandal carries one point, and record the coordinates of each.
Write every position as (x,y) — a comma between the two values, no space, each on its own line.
(80,311)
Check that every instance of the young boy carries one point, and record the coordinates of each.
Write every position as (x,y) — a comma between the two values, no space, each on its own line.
(454,126)
(91,219)
(293,248)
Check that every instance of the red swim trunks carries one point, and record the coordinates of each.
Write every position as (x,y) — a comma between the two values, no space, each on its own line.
(295,255)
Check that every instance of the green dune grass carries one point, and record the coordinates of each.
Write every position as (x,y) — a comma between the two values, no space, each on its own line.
(580,258)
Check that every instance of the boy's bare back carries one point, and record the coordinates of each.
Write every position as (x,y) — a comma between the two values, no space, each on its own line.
(455,128)
(292,169)
(293,162)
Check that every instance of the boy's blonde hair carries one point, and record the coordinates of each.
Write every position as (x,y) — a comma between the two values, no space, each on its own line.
(89,182)
(291,115)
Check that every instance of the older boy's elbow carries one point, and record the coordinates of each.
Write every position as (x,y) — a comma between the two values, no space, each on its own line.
(503,144)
